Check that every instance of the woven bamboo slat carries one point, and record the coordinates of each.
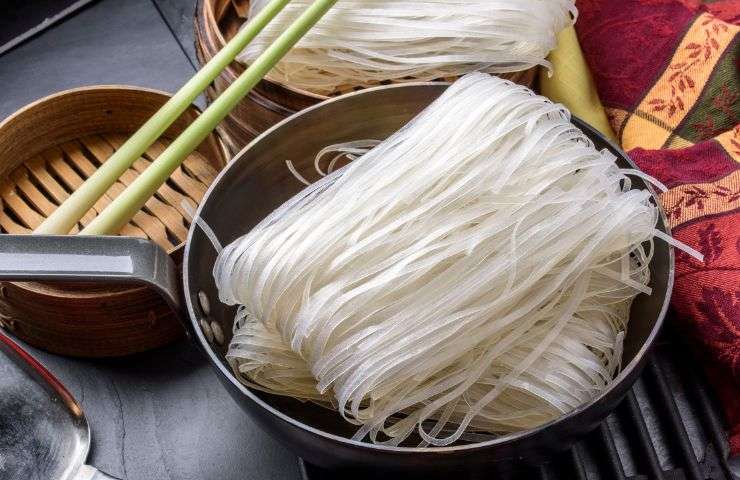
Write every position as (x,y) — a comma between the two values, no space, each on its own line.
(47,150)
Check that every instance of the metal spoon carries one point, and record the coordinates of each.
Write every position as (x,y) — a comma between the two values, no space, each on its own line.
(43,432)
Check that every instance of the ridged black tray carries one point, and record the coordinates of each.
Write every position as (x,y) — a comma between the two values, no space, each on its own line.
(667,428)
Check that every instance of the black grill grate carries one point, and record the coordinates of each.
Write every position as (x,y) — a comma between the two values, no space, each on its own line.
(667,428)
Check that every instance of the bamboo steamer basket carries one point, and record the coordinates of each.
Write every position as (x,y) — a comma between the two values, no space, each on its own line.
(216,22)
(46,150)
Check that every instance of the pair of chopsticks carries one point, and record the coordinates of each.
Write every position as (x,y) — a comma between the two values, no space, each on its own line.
(133,198)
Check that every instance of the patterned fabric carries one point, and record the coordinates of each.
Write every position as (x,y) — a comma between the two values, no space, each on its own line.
(667,72)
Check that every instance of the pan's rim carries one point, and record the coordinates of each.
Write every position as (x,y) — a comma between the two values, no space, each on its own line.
(216,361)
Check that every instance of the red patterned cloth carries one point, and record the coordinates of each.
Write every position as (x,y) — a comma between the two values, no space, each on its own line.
(667,72)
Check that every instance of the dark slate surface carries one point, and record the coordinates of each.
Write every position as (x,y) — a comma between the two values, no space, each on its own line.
(161,415)
(178,14)
(21,23)
(113,42)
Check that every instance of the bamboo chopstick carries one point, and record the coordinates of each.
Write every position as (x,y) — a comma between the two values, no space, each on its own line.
(133,198)
(64,218)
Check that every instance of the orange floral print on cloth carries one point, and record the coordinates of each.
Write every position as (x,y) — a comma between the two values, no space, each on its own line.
(668,74)
(659,119)
(695,200)
(693,57)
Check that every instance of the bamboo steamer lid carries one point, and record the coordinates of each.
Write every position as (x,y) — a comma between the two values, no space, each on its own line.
(47,149)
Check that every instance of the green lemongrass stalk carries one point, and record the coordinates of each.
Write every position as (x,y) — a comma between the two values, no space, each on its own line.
(130,201)
(64,218)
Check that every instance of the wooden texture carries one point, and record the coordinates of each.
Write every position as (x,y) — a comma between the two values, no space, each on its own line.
(216,22)
(47,150)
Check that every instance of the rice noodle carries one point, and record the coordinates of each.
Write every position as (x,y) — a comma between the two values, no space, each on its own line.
(472,274)
(366,42)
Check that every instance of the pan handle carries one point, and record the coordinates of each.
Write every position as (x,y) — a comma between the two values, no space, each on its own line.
(77,258)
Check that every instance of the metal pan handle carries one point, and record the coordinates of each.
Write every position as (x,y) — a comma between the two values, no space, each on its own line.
(77,258)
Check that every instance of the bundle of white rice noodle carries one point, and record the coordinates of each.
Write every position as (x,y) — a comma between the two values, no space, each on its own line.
(473,272)
(365,42)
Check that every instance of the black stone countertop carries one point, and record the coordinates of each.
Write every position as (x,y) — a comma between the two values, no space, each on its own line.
(164,414)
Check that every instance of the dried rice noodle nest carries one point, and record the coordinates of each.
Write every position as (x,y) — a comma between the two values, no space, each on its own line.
(472,273)
(361,43)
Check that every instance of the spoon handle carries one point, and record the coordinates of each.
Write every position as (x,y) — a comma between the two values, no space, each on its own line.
(86,472)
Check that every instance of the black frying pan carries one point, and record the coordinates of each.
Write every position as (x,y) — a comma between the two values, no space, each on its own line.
(251,186)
